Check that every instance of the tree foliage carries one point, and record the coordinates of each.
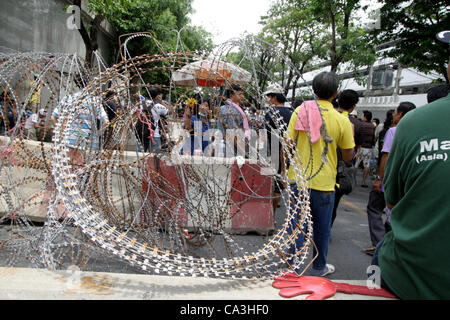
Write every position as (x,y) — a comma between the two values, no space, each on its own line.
(161,18)
(312,31)
(414,25)
(293,30)
(346,41)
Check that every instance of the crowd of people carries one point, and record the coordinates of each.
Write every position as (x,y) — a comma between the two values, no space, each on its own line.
(410,150)
(407,155)
(33,124)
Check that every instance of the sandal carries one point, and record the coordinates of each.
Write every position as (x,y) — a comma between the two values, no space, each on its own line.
(370,251)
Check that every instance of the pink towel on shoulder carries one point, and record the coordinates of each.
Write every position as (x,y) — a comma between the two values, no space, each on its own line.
(247,131)
(309,120)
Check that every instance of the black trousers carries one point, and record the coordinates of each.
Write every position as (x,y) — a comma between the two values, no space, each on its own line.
(337,198)
(375,209)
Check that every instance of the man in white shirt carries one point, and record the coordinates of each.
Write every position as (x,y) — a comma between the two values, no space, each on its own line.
(84,120)
(158,110)
(35,122)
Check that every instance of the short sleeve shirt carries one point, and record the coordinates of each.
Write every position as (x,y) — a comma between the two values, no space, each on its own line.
(285,114)
(367,135)
(388,140)
(229,118)
(80,129)
(36,96)
(29,124)
(339,128)
(415,256)
(158,110)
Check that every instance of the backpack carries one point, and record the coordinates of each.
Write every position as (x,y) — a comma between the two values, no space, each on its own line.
(345,175)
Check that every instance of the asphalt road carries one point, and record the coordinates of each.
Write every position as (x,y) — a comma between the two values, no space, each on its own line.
(350,236)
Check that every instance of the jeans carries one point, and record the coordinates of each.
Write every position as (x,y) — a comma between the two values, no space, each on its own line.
(194,145)
(156,147)
(322,204)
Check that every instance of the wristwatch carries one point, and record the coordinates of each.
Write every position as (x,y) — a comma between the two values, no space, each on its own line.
(379,178)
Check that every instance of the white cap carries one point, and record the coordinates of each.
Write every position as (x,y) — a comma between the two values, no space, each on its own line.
(274,88)
(41,111)
(444,36)
(354,113)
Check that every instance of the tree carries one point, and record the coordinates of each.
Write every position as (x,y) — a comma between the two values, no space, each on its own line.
(99,11)
(293,29)
(159,17)
(319,31)
(163,19)
(168,22)
(346,41)
(89,34)
(413,26)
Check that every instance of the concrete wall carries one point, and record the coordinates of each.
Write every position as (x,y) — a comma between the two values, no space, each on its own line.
(41,26)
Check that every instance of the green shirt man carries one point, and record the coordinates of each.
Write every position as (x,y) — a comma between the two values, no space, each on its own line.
(415,257)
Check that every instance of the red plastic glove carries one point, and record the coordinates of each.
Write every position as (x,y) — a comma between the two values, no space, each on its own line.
(292,285)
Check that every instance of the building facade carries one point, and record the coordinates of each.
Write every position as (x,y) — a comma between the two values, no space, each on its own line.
(388,84)
(46,26)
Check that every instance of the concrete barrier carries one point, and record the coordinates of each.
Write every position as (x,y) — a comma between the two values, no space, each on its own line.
(242,205)
(39,284)
(243,183)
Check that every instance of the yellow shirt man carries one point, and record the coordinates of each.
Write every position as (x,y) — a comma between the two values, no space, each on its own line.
(36,95)
(339,128)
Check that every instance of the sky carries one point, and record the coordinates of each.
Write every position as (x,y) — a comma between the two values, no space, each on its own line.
(231,18)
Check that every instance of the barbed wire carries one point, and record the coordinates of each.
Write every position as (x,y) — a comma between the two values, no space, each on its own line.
(165,212)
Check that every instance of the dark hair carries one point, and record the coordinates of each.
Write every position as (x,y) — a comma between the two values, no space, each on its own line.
(377,121)
(367,115)
(297,103)
(325,84)
(389,119)
(335,103)
(347,99)
(207,100)
(405,107)
(386,126)
(280,97)
(438,92)
(109,94)
(233,89)
(154,92)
